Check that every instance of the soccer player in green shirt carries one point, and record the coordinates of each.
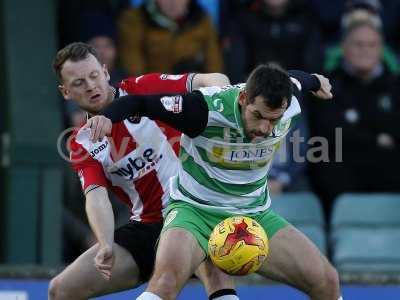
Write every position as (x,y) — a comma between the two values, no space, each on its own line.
(230,135)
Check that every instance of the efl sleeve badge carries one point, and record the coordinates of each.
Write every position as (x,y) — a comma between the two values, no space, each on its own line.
(172,103)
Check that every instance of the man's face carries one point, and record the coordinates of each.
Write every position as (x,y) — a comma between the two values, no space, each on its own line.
(86,82)
(258,119)
(173,9)
(362,49)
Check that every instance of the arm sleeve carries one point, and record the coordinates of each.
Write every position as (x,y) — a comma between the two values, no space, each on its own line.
(90,171)
(156,83)
(307,81)
(187,113)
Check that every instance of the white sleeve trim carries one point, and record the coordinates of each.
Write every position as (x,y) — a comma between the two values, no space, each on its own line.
(293,109)
(296,82)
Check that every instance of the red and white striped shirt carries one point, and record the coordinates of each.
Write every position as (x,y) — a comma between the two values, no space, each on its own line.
(138,159)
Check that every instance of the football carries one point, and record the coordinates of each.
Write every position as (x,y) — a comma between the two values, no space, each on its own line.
(238,245)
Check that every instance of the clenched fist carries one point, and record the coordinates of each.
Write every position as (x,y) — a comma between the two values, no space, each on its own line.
(100,126)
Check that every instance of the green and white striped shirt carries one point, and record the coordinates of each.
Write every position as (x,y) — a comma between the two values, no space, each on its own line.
(221,169)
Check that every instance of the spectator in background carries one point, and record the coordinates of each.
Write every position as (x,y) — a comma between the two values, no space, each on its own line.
(211,6)
(360,10)
(389,13)
(330,14)
(168,36)
(280,31)
(366,108)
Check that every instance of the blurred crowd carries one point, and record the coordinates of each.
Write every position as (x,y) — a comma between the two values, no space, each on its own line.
(350,144)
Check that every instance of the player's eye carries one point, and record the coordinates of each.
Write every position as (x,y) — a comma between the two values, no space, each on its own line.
(77,83)
(257,115)
(94,74)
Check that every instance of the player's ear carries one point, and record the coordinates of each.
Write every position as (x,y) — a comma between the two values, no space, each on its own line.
(106,72)
(64,92)
(242,98)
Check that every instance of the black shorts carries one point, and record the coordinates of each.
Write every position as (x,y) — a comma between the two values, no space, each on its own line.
(140,239)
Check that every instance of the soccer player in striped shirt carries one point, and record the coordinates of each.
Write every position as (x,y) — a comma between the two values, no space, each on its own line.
(230,137)
(135,162)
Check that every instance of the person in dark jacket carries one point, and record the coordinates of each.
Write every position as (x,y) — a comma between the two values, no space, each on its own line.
(283,32)
(361,126)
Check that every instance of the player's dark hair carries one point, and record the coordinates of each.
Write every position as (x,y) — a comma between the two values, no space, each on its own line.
(75,52)
(272,83)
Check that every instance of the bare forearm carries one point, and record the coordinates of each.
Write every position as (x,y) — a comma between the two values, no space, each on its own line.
(210,79)
(100,215)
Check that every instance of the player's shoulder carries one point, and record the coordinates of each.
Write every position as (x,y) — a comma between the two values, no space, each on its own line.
(129,85)
(222,99)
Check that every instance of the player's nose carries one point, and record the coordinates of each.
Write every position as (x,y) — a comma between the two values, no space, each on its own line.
(265,127)
(91,85)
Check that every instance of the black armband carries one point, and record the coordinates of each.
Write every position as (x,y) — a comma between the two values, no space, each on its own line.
(308,82)
(187,113)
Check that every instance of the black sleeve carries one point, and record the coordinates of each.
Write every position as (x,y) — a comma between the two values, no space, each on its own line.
(187,113)
(308,82)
